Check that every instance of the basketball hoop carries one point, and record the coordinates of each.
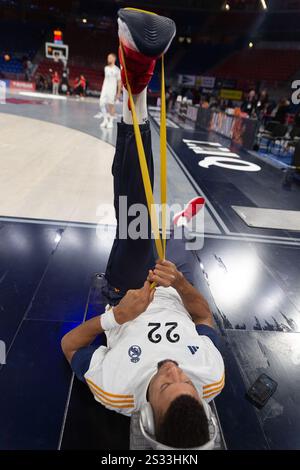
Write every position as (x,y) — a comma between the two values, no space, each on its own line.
(57,52)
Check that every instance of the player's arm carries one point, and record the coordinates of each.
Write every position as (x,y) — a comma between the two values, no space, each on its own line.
(166,274)
(119,89)
(131,306)
(119,85)
(81,336)
(194,302)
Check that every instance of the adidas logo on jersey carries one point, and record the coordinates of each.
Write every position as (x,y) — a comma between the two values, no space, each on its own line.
(193,349)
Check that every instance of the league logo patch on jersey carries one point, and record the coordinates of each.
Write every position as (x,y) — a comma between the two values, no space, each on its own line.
(134,353)
(193,349)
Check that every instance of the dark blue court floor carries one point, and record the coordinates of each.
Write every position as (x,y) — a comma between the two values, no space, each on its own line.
(251,278)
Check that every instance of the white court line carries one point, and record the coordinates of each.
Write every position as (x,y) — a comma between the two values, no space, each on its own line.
(64,223)
(254,240)
(109,227)
(266,236)
(71,384)
(42,95)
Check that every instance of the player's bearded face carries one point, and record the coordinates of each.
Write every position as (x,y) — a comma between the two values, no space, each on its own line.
(110,59)
(167,384)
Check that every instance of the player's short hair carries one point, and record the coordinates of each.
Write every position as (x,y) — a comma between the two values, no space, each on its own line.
(184,424)
(112,53)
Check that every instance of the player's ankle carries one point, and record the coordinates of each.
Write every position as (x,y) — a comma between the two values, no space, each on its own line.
(140,102)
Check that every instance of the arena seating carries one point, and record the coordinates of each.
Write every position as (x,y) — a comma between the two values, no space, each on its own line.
(89,48)
(259,64)
(198,58)
(220,25)
(13,66)
(21,38)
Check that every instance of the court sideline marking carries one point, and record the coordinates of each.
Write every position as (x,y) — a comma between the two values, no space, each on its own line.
(243,237)
(62,430)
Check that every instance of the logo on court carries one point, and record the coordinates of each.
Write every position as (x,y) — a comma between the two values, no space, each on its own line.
(215,154)
(2,353)
(193,349)
(134,353)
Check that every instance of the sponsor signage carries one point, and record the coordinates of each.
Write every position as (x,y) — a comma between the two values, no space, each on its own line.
(187,80)
(241,131)
(227,94)
(207,82)
(226,83)
(16,85)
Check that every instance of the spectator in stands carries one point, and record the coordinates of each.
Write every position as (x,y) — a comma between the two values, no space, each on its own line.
(40,82)
(55,83)
(281,110)
(214,103)
(168,98)
(189,96)
(223,105)
(297,119)
(230,104)
(248,105)
(28,70)
(48,82)
(204,101)
(173,99)
(262,104)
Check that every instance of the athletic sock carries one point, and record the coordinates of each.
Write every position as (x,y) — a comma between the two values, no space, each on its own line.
(103,110)
(140,101)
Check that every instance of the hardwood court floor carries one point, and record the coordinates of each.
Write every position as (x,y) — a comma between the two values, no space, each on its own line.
(52,172)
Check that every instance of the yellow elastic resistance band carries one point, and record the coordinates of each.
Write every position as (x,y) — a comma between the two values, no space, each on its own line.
(160,241)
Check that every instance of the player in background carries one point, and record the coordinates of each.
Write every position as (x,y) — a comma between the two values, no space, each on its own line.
(111,91)
(80,87)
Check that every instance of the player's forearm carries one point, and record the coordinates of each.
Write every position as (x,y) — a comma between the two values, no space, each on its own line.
(193,301)
(81,336)
(119,90)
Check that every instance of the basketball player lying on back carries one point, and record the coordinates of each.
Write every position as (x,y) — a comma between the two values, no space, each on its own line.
(162,350)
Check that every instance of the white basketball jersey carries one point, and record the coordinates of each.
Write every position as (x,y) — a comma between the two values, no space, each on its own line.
(119,374)
(111,77)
